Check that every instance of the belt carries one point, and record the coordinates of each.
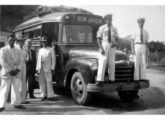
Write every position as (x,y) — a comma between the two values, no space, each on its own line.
(140,43)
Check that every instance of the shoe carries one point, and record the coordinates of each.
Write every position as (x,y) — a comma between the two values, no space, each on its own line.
(44,98)
(99,83)
(2,109)
(51,99)
(25,102)
(19,107)
(32,96)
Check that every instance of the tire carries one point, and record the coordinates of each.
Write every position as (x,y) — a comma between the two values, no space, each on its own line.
(78,89)
(128,96)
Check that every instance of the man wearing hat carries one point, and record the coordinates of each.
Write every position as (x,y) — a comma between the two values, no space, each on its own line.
(140,39)
(25,57)
(107,37)
(45,67)
(10,74)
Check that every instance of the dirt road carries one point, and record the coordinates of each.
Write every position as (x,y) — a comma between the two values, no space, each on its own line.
(152,101)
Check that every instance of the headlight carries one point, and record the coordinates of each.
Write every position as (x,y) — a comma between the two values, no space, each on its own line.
(94,66)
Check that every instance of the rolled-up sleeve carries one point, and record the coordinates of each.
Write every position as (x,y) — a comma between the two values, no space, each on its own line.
(100,33)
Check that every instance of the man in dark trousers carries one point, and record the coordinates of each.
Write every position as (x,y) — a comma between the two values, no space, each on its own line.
(30,68)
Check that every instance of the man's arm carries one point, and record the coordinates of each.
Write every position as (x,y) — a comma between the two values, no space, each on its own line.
(38,66)
(100,45)
(53,58)
(116,42)
(4,63)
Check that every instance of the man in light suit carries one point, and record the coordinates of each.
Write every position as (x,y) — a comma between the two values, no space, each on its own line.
(45,67)
(24,57)
(10,74)
(140,40)
(107,37)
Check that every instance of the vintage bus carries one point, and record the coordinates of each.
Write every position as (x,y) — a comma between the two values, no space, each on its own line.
(73,36)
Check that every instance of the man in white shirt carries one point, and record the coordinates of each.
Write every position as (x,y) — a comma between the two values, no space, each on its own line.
(140,39)
(107,37)
(45,67)
(10,74)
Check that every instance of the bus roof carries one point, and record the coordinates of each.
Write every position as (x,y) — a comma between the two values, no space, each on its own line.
(52,17)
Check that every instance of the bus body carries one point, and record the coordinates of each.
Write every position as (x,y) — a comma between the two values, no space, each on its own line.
(73,36)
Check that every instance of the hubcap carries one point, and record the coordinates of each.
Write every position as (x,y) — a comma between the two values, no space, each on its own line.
(78,87)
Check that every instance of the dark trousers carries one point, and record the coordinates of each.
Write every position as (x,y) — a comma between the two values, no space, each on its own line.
(30,78)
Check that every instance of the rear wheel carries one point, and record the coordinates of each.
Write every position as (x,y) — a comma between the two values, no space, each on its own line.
(128,96)
(78,88)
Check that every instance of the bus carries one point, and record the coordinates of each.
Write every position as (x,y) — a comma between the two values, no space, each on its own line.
(73,36)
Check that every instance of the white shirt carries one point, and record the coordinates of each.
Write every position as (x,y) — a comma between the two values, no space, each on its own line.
(136,36)
(103,33)
(47,57)
(10,59)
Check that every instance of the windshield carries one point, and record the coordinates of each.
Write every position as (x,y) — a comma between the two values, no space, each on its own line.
(78,33)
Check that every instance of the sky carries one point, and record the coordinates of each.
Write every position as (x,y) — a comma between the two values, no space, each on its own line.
(125,18)
(125,13)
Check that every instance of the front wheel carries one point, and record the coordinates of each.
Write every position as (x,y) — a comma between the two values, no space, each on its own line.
(78,88)
(128,96)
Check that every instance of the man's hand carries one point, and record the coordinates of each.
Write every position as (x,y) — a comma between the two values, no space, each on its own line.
(13,72)
(102,52)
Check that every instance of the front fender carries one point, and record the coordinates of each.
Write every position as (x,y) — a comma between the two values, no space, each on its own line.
(81,65)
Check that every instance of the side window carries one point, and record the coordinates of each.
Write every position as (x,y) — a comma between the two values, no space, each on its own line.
(33,33)
(64,38)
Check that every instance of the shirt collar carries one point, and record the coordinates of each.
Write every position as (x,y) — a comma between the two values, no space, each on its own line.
(8,46)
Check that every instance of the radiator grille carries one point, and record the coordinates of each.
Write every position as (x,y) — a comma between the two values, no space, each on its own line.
(124,72)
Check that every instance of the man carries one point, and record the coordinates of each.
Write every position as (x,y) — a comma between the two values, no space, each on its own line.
(24,58)
(140,45)
(45,67)
(30,68)
(107,37)
(10,74)
(1,45)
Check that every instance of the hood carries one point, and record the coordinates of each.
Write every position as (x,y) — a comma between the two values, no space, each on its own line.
(94,53)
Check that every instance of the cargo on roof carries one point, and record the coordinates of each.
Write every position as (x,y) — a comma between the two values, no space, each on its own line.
(70,17)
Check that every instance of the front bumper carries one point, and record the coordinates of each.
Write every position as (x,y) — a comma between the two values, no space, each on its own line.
(119,86)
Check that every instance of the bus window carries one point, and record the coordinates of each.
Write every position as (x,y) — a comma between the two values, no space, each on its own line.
(64,39)
(33,33)
(79,33)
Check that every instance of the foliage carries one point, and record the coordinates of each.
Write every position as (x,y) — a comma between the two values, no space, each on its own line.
(12,15)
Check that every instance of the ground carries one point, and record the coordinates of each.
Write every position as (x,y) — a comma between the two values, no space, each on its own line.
(152,101)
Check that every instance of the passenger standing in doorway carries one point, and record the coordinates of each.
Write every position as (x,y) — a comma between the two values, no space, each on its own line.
(107,37)
(30,68)
(10,74)
(24,58)
(140,39)
(46,67)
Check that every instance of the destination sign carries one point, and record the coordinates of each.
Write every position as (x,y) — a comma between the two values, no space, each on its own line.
(89,19)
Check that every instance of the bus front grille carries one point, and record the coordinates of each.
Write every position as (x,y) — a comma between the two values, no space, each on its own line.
(124,73)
